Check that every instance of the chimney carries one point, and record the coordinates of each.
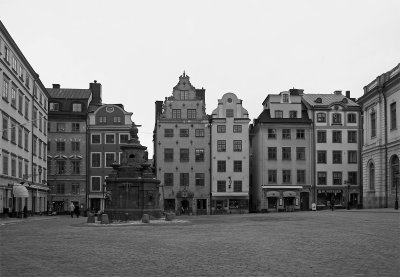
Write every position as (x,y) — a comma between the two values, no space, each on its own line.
(337,92)
(159,105)
(96,93)
(296,91)
(201,94)
(348,94)
(56,85)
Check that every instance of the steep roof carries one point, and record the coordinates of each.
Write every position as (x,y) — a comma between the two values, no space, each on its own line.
(69,93)
(265,117)
(327,99)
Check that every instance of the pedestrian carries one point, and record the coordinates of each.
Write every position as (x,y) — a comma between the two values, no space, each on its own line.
(25,211)
(77,211)
(72,209)
(332,205)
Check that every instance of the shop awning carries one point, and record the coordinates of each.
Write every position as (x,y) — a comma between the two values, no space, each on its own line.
(282,187)
(289,194)
(272,193)
(20,191)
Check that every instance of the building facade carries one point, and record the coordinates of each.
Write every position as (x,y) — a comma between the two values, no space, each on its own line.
(281,147)
(336,143)
(108,129)
(230,156)
(23,125)
(67,147)
(381,140)
(182,150)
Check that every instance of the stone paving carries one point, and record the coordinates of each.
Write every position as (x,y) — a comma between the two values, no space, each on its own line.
(323,243)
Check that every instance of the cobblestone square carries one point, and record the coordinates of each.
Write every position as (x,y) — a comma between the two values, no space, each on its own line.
(323,243)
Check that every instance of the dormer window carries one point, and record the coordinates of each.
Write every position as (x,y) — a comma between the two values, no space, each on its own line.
(318,100)
(54,107)
(278,114)
(293,114)
(337,118)
(345,100)
(285,98)
(77,107)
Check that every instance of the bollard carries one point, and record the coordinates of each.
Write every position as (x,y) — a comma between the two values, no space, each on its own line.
(146,218)
(169,216)
(91,218)
(104,219)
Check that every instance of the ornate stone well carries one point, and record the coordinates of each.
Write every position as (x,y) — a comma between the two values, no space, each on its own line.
(132,188)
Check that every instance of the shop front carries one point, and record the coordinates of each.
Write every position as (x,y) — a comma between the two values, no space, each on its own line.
(230,203)
(340,198)
(283,198)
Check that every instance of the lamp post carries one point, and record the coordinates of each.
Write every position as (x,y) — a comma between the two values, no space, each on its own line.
(396,203)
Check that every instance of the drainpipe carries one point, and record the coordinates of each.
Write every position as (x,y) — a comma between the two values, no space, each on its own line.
(32,177)
(88,159)
(360,163)
(386,150)
(210,163)
(313,151)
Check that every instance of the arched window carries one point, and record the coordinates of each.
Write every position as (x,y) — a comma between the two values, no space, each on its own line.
(371,176)
(394,171)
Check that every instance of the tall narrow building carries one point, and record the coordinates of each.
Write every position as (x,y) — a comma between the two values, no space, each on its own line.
(230,156)
(182,150)
(23,127)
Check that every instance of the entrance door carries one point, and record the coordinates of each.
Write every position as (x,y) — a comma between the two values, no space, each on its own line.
(184,207)
(304,201)
(95,204)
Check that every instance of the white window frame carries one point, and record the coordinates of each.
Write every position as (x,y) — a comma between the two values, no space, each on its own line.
(105,138)
(120,138)
(91,183)
(119,157)
(91,138)
(91,160)
(105,159)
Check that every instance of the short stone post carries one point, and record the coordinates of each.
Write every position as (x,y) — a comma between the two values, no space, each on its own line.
(90,218)
(104,219)
(169,216)
(146,218)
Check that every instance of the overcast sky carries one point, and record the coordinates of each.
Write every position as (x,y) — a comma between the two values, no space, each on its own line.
(138,49)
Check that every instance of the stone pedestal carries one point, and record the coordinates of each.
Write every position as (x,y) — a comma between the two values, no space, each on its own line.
(104,219)
(146,218)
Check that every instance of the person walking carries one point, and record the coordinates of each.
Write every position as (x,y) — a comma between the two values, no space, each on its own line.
(77,211)
(72,209)
(332,204)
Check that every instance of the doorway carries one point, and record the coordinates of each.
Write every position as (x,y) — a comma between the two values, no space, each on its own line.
(304,201)
(184,207)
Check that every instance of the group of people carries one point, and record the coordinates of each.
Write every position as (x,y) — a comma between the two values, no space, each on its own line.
(74,210)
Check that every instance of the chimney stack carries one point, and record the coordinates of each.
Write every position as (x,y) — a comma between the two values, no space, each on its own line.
(348,94)
(337,92)
(56,85)
(96,93)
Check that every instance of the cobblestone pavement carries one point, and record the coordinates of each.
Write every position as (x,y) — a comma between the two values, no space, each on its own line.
(323,243)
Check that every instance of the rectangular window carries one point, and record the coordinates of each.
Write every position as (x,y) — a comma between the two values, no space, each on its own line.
(20,102)
(337,136)
(13,166)
(393,123)
(20,132)
(199,154)
(184,133)
(237,166)
(76,107)
(286,176)
(26,139)
(373,124)
(352,178)
(321,117)
(60,127)
(5,163)
(5,88)
(75,127)
(96,183)
(237,146)
(352,157)
(337,157)
(321,178)
(14,64)
(123,138)
(237,186)
(168,179)
(337,178)
(184,154)
(221,129)
(285,98)
(60,146)
(5,127)
(321,136)
(110,138)
(176,114)
(96,139)
(300,153)
(286,153)
(272,176)
(14,97)
(351,118)
(221,145)
(20,173)
(278,114)
(184,94)
(27,108)
(117,119)
(96,160)
(75,189)
(300,134)
(200,179)
(286,134)
(40,121)
(199,132)
(221,186)
(168,133)
(110,159)
(221,166)
(60,188)
(60,167)
(229,112)
(191,113)
(184,179)
(321,156)
(352,136)
(293,114)
(76,167)
(272,133)
(102,119)
(13,132)
(237,128)
(54,107)
(301,176)
(168,154)
(271,153)
(336,118)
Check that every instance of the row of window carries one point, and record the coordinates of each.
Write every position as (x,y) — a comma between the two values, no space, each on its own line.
(393,120)
(286,133)
(222,128)
(337,118)
(286,176)
(279,114)
(287,153)
(59,188)
(60,146)
(61,127)
(337,136)
(183,133)
(221,186)
(109,159)
(236,147)
(199,179)
(55,107)
(221,166)
(337,178)
(109,138)
(192,113)
(18,167)
(199,154)
(109,120)
(336,157)
(63,167)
